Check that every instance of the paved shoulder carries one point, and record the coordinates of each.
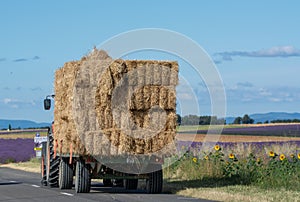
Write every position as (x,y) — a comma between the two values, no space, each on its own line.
(16,185)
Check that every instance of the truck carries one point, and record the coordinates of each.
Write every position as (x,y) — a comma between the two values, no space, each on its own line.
(77,156)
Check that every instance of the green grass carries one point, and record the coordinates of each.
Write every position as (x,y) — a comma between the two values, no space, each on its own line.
(219,177)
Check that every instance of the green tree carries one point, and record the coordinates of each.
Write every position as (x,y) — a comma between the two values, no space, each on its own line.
(178,119)
(9,127)
(247,120)
(237,120)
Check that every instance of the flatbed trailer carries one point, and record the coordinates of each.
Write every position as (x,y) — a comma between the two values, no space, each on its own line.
(59,170)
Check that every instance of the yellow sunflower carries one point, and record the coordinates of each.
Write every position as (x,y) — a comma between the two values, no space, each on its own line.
(292,156)
(206,157)
(231,156)
(298,156)
(282,157)
(195,159)
(217,147)
(271,154)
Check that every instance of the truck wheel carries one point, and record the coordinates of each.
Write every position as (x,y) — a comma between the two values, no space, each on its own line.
(82,177)
(154,182)
(43,170)
(131,184)
(65,174)
(53,167)
(54,172)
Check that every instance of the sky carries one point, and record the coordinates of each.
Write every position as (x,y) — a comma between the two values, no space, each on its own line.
(255,46)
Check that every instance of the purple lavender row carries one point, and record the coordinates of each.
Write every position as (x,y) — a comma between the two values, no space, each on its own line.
(16,150)
(290,130)
(256,147)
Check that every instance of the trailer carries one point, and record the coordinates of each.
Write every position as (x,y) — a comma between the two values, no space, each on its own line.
(104,116)
(60,170)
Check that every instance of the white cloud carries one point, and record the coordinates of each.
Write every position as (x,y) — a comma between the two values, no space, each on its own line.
(15,103)
(276,51)
(9,100)
(185,96)
(264,92)
(273,99)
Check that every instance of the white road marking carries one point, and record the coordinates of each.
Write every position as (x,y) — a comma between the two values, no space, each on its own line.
(67,194)
(35,185)
(186,198)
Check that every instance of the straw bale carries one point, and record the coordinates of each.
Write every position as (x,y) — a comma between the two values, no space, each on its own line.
(163,98)
(171,100)
(141,73)
(155,96)
(157,73)
(139,99)
(91,117)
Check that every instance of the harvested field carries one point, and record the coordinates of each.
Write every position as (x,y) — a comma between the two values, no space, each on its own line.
(111,107)
(235,138)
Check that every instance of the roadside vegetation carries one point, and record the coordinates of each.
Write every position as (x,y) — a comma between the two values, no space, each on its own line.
(220,175)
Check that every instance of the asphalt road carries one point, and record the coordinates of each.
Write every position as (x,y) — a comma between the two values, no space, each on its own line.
(16,185)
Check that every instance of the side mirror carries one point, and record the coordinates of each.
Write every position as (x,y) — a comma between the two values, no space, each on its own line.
(47,104)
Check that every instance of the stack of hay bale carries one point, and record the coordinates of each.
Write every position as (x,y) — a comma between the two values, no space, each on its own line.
(111,107)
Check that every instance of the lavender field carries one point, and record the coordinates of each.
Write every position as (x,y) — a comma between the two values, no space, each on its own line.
(16,150)
(287,130)
(242,149)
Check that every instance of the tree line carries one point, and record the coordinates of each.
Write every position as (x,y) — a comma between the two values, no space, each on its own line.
(214,120)
(199,120)
(243,120)
(286,121)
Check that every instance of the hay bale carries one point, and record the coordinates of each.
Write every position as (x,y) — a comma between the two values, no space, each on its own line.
(109,107)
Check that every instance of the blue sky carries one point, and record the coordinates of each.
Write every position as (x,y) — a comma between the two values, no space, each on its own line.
(255,45)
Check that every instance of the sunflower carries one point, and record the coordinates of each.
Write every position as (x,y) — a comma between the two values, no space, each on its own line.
(298,156)
(206,157)
(195,159)
(282,157)
(217,147)
(231,156)
(271,154)
(292,156)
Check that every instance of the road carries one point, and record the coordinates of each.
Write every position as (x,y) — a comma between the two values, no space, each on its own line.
(16,185)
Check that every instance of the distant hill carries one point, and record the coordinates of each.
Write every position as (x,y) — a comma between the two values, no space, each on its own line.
(268,116)
(21,124)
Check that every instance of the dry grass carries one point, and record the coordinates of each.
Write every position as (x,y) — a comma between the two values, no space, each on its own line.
(240,193)
(22,134)
(235,138)
(30,166)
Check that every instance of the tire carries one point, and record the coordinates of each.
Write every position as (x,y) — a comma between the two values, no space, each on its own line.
(53,171)
(82,177)
(155,182)
(131,184)
(65,178)
(43,170)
